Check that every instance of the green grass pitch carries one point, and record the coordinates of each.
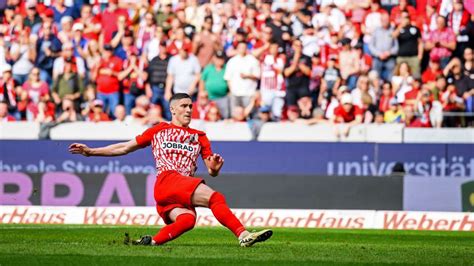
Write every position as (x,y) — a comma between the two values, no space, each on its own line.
(100,245)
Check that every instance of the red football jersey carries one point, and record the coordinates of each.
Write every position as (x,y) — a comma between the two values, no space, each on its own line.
(176,148)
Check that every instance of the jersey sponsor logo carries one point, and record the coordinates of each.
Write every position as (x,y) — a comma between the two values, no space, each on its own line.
(177,146)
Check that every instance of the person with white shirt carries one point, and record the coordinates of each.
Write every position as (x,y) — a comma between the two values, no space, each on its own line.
(242,73)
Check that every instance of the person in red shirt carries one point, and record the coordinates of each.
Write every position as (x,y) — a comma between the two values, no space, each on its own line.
(202,107)
(176,148)
(108,19)
(396,12)
(432,71)
(91,23)
(346,114)
(108,83)
(97,113)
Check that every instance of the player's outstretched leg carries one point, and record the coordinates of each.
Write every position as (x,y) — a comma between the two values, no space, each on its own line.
(205,196)
(183,223)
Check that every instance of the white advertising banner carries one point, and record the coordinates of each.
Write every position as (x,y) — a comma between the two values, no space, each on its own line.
(341,219)
(422,193)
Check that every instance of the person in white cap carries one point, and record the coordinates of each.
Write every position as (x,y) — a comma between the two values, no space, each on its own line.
(347,114)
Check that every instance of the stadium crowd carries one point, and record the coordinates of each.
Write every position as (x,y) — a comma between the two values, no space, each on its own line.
(325,61)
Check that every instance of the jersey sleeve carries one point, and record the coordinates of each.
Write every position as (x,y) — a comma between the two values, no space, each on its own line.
(145,138)
(206,150)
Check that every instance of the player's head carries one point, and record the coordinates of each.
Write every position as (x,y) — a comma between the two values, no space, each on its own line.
(181,107)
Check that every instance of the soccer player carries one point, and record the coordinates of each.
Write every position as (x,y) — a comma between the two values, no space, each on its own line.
(176,148)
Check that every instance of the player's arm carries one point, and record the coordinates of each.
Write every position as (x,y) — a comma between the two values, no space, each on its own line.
(116,149)
(214,164)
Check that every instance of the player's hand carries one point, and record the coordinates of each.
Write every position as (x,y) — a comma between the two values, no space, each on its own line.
(215,162)
(79,148)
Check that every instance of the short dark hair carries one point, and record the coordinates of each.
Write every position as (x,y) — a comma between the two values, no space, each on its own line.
(179,96)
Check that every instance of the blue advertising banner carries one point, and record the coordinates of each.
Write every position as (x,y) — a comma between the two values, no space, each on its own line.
(366,159)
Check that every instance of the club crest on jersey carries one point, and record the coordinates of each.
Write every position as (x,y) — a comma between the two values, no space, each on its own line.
(177,146)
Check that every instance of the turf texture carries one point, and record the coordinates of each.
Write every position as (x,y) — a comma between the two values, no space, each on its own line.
(100,245)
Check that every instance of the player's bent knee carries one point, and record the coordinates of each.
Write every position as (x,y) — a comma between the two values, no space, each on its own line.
(202,195)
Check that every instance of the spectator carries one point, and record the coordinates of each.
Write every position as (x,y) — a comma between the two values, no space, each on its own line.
(178,41)
(154,116)
(242,73)
(61,10)
(432,71)
(4,115)
(68,112)
(281,32)
(440,42)
(8,90)
(121,115)
(292,113)
(206,43)
(346,114)
(109,20)
(67,54)
(458,18)
(372,21)
(22,53)
(146,30)
(108,85)
(46,110)
(468,69)
(317,71)
(47,49)
(412,95)
(272,87)
(32,19)
(297,72)
(97,113)
(394,114)
(363,87)
(463,83)
(140,111)
(202,107)
(305,107)
(91,23)
(88,98)
(35,89)
(157,80)
(402,81)
(387,95)
(410,44)
(384,48)
(66,34)
(183,73)
(68,85)
(133,79)
(379,118)
(411,120)
(214,115)
(451,103)
(78,41)
(212,81)
(430,111)
(164,16)
(153,48)
(263,116)
(396,14)
(350,63)
(93,58)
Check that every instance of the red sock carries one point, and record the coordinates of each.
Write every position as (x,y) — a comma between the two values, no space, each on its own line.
(223,214)
(183,223)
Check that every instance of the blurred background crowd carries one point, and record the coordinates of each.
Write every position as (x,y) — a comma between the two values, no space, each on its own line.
(326,61)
